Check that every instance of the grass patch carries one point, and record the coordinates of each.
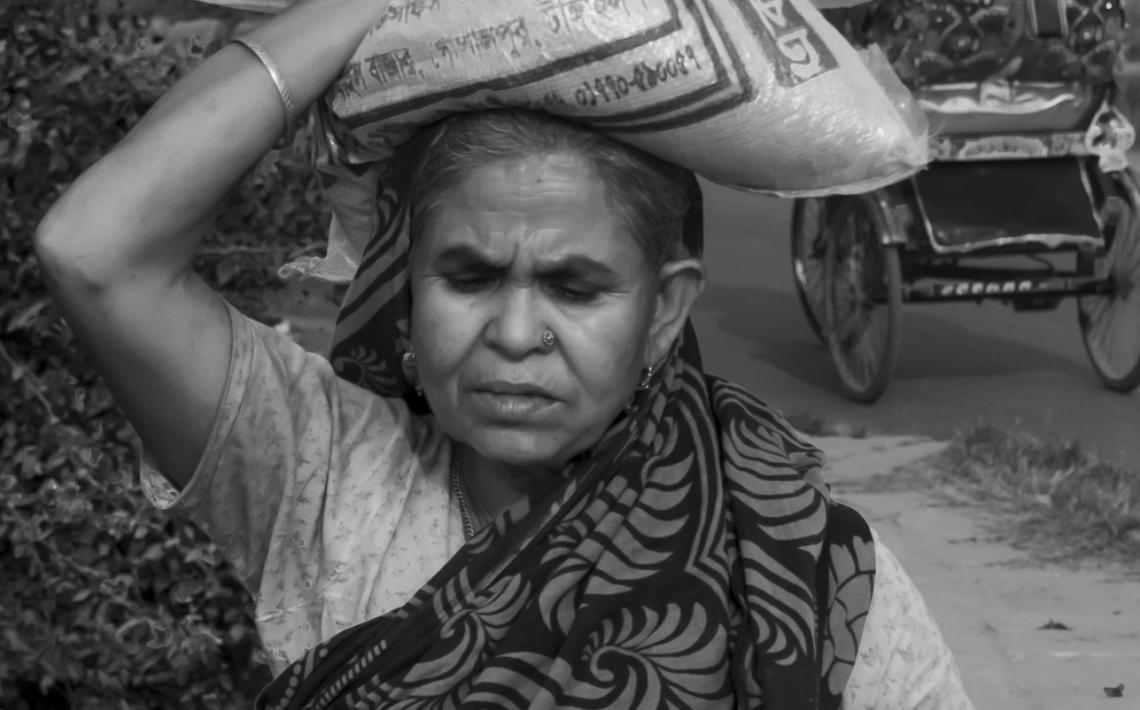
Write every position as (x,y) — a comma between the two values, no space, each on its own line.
(1066,505)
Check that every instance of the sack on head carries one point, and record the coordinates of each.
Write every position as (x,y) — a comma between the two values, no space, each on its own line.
(759,95)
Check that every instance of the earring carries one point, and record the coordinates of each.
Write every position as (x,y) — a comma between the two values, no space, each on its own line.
(409,364)
(644,384)
(641,387)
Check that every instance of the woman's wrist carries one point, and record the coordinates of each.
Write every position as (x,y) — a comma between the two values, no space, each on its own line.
(308,68)
(288,108)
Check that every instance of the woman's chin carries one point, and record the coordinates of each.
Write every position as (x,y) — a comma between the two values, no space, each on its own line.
(521,449)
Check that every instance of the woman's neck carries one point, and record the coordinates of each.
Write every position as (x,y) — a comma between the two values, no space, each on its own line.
(491,487)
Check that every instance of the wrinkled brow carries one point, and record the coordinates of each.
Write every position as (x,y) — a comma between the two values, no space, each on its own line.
(467,257)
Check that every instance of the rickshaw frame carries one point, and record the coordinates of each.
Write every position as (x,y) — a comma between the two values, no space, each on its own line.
(915,270)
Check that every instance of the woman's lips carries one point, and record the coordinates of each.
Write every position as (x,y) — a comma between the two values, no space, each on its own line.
(510,402)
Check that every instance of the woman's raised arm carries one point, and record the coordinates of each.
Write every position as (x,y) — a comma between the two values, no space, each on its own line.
(116,249)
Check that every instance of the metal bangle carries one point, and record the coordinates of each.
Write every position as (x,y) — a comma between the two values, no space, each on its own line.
(282,87)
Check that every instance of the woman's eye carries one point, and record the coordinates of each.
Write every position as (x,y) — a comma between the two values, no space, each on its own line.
(470,284)
(575,295)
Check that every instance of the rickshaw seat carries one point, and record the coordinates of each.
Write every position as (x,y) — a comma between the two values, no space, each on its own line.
(1014,203)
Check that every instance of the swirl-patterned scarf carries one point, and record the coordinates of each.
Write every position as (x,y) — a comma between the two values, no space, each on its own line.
(693,560)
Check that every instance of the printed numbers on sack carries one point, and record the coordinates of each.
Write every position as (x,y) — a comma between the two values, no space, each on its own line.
(644,77)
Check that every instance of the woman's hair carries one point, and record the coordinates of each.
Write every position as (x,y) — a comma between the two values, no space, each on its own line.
(649,198)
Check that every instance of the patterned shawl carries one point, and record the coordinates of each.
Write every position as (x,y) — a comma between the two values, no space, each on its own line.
(693,560)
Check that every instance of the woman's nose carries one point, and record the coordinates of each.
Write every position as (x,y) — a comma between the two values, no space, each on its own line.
(516,328)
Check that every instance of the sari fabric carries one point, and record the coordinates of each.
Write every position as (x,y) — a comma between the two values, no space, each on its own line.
(693,559)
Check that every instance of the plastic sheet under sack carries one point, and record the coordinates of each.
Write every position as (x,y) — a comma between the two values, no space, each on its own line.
(759,95)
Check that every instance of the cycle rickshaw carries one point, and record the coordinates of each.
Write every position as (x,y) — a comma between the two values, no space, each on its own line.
(1028,200)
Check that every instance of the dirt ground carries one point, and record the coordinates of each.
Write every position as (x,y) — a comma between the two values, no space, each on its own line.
(992,600)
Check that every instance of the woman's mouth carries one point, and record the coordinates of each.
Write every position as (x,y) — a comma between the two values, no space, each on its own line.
(510,402)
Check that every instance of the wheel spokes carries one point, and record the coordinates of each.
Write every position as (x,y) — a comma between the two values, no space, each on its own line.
(1115,345)
(860,323)
(813,283)
(810,253)
(1112,321)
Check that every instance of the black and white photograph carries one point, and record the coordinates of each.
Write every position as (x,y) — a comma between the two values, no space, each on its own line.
(569,354)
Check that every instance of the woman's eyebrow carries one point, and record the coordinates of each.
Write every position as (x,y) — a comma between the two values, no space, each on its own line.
(465,256)
(577,266)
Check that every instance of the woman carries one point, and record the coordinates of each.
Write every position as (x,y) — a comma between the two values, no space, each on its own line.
(584,519)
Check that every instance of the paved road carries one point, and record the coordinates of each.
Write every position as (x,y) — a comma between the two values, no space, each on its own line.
(959,363)
(991,600)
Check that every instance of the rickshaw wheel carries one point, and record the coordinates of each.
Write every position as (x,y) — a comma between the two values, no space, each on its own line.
(807,260)
(1110,323)
(862,298)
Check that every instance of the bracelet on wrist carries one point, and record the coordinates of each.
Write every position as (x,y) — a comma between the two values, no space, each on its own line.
(282,88)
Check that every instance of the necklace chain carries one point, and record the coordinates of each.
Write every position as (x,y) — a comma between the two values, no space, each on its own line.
(468,526)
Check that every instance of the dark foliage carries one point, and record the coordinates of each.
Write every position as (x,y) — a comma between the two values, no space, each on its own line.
(104,602)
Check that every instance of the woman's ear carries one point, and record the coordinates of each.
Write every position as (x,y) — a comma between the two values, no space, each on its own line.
(679,284)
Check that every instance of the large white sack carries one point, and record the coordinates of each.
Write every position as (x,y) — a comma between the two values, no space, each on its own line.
(760,95)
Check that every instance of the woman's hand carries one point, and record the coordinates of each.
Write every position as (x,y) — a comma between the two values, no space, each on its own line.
(116,248)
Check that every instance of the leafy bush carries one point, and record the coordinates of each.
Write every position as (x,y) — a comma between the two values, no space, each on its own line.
(106,603)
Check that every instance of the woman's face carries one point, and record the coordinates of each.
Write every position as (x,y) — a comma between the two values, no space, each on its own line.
(518,248)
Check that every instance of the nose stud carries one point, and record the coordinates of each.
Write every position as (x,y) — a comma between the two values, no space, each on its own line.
(547,338)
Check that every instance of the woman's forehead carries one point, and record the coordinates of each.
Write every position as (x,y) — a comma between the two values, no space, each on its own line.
(535,183)
(541,208)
